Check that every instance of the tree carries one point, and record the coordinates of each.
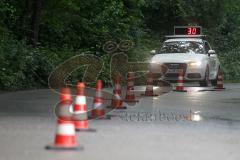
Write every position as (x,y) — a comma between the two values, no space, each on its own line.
(36,17)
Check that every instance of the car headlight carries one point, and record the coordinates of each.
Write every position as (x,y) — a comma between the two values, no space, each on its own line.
(195,64)
(153,61)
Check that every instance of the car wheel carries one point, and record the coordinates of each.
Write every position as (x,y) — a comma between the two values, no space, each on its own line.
(205,82)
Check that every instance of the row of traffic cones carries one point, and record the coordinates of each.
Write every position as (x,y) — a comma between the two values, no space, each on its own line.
(68,123)
(180,82)
(117,101)
(65,138)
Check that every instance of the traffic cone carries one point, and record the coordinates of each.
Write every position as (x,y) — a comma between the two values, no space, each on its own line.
(189,116)
(180,86)
(130,96)
(219,80)
(117,102)
(65,105)
(98,111)
(80,110)
(149,86)
(65,138)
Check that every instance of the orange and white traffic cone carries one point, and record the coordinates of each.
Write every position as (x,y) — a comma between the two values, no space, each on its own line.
(64,107)
(117,102)
(98,111)
(180,83)
(130,96)
(149,86)
(80,117)
(65,138)
(219,81)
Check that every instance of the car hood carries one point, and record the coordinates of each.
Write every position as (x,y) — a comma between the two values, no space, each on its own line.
(177,58)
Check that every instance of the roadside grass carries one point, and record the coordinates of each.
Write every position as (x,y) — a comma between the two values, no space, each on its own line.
(232,81)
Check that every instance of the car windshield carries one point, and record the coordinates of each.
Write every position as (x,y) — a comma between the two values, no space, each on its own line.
(182,47)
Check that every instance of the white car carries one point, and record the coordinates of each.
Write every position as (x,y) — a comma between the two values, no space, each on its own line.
(192,54)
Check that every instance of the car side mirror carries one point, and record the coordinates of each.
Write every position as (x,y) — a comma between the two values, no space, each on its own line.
(153,52)
(210,52)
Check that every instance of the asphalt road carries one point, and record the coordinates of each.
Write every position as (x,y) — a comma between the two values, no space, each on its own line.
(155,128)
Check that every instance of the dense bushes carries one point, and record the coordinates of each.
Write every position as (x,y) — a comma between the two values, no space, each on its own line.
(71,27)
(230,63)
(23,66)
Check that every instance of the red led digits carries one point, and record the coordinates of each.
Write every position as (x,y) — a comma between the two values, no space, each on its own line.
(192,31)
(187,30)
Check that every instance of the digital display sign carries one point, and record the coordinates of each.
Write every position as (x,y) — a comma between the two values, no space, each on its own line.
(188,30)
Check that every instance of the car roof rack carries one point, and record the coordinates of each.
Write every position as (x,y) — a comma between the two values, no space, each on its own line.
(186,36)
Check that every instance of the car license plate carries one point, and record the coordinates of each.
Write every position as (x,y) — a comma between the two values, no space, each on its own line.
(174,70)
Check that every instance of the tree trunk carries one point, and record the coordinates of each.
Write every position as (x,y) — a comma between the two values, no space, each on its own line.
(36,21)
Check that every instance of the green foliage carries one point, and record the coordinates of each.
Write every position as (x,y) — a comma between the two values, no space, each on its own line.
(85,24)
(23,66)
(230,64)
(71,27)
